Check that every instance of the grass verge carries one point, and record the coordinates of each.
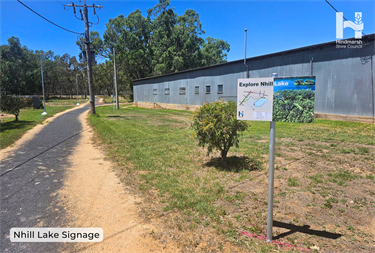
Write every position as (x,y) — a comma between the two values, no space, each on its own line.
(204,206)
(11,130)
(110,100)
(64,101)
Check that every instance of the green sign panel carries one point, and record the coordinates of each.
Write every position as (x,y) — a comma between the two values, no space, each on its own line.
(293,99)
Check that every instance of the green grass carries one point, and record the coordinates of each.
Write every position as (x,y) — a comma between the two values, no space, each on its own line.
(157,152)
(293,181)
(109,99)
(11,130)
(317,178)
(342,177)
(161,146)
(63,101)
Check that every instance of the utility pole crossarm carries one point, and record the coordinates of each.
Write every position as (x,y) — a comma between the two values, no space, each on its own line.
(88,6)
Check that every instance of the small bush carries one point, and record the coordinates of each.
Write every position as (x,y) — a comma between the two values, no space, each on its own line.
(216,126)
(12,104)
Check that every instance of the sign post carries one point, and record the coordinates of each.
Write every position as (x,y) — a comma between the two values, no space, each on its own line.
(271,172)
(77,89)
(44,100)
(275,99)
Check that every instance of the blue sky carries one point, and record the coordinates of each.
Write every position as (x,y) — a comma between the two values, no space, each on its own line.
(273,26)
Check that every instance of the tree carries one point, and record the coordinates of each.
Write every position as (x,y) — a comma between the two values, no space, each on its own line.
(213,51)
(19,68)
(12,104)
(130,37)
(21,71)
(160,43)
(216,126)
(96,44)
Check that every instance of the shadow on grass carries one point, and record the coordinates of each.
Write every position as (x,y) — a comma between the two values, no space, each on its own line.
(120,116)
(235,164)
(56,99)
(11,125)
(302,229)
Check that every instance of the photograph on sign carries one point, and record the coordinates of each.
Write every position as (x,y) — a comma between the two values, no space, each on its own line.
(254,99)
(294,99)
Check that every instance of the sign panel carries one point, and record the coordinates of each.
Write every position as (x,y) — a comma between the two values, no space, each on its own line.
(255,99)
(280,99)
(294,99)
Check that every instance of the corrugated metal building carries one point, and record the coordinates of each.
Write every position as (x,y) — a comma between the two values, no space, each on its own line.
(345,87)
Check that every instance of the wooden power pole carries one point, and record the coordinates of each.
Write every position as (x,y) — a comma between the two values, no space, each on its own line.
(88,49)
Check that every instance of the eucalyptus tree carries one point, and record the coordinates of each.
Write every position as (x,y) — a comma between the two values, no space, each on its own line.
(162,40)
(159,43)
(130,37)
(213,51)
(18,68)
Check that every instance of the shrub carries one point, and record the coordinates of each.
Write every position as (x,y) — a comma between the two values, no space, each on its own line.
(216,126)
(12,104)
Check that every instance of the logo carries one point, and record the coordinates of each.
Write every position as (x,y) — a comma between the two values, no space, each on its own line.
(357,25)
(240,114)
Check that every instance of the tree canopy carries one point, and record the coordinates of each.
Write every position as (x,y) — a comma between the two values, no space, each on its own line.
(160,42)
(21,70)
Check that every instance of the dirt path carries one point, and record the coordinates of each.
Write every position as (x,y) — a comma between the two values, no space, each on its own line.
(93,196)
(30,134)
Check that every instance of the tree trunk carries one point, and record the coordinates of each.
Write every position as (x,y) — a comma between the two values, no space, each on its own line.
(16,117)
(224,157)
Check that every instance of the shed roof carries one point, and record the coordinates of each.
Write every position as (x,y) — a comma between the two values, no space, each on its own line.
(321,45)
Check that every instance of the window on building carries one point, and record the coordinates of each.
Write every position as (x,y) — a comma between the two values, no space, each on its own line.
(182,90)
(155,92)
(208,89)
(220,89)
(166,91)
(196,89)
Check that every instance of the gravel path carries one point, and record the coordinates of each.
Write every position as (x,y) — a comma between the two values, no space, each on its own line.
(30,179)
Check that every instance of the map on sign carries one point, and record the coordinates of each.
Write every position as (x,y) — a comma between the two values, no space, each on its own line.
(255,99)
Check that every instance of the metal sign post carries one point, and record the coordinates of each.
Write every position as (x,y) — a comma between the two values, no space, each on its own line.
(255,102)
(271,181)
(77,89)
(271,173)
(44,100)
(263,99)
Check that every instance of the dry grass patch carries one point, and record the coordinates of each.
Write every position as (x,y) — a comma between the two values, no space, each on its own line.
(323,197)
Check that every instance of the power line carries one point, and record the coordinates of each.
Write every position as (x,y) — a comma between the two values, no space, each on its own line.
(60,3)
(63,5)
(46,19)
(91,23)
(87,46)
(341,15)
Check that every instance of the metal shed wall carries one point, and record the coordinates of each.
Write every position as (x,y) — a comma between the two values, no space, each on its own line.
(344,78)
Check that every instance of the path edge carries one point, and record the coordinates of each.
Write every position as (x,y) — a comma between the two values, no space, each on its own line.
(30,134)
